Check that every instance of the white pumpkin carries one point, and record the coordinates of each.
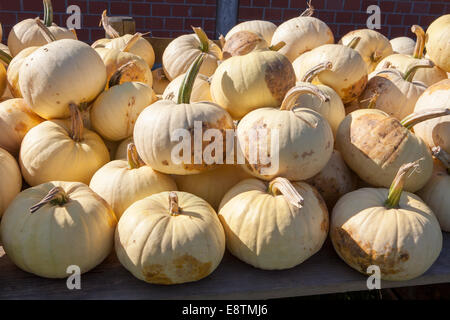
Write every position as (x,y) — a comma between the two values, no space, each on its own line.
(11,181)
(437,44)
(265,28)
(403,45)
(200,90)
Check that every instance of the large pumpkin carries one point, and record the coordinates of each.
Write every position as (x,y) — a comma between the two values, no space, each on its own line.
(275,225)
(55,225)
(264,28)
(11,181)
(391,229)
(243,42)
(170,238)
(437,44)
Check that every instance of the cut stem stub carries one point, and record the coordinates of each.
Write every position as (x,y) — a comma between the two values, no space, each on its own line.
(56,196)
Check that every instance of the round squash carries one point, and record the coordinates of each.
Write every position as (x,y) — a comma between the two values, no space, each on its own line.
(265,28)
(52,226)
(437,44)
(160,81)
(243,42)
(57,149)
(13,74)
(170,238)
(122,149)
(403,45)
(141,47)
(11,181)
(275,225)
(16,119)
(200,91)
(391,229)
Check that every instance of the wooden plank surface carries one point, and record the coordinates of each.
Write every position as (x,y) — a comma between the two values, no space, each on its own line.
(323,273)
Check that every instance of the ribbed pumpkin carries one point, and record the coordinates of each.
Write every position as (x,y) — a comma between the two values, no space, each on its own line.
(437,44)
(265,28)
(243,42)
(348,76)
(275,225)
(11,181)
(296,143)
(27,33)
(13,73)
(122,149)
(123,182)
(182,52)
(375,145)
(59,150)
(157,124)
(55,225)
(256,80)
(160,81)
(435,132)
(170,238)
(372,47)
(302,34)
(403,45)
(16,119)
(200,90)
(391,229)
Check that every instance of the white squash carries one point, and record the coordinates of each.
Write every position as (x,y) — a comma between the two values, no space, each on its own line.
(11,181)
(265,28)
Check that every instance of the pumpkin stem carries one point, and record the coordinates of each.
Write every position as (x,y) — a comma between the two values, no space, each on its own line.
(289,101)
(204,41)
(56,197)
(277,46)
(5,57)
(414,118)
(184,95)
(49,37)
(409,74)
(375,57)
(309,11)
(442,156)
(77,125)
(354,42)
(134,161)
(132,41)
(174,209)
(48,13)
(222,41)
(372,100)
(74,33)
(396,189)
(117,75)
(420,41)
(109,30)
(314,71)
(283,186)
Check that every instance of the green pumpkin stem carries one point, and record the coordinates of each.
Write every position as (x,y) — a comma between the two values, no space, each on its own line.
(420,41)
(277,46)
(283,186)
(48,13)
(174,208)
(396,189)
(134,161)
(48,35)
(184,95)
(56,197)
(354,42)
(289,101)
(442,156)
(5,57)
(204,41)
(414,118)
(409,74)
(314,71)
(77,125)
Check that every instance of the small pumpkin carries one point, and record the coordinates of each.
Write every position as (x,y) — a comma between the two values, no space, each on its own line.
(57,149)
(437,44)
(13,73)
(123,182)
(200,90)
(11,181)
(160,81)
(390,228)
(170,238)
(264,28)
(16,119)
(275,225)
(54,225)
(403,45)
(243,42)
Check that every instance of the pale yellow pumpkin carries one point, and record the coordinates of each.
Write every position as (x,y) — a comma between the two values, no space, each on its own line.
(391,229)
(256,80)
(141,47)
(437,44)
(11,181)
(160,82)
(57,150)
(200,91)
(275,225)
(121,151)
(170,238)
(265,28)
(403,45)
(3,80)
(243,42)
(123,182)
(16,119)
(13,74)
(55,225)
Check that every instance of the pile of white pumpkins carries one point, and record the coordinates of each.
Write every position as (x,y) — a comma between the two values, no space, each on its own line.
(364,144)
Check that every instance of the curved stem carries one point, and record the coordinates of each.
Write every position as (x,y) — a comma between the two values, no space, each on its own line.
(77,126)
(283,186)
(420,41)
(204,41)
(222,41)
(396,189)
(109,30)
(134,161)
(309,11)
(354,42)
(184,94)
(49,37)
(132,41)
(117,75)
(74,33)
(409,74)
(373,101)
(56,196)
(174,208)
(306,88)
(314,71)
(414,118)
(48,13)
(5,57)
(277,46)
(442,156)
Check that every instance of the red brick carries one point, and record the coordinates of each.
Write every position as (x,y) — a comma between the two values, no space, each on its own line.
(334,28)
(290,13)
(344,29)
(23,16)
(394,19)
(425,21)
(97,7)
(32,5)
(173,1)
(420,7)
(175,34)
(83,35)
(437,8)
(326,16)
(181,11)
(280,3)
(360,18)
(398,32)
(161,10)
(211,2)
(301,4)
(194,1)
(209,26)
(251,13)
(334,5)
(81,4)
(11,5)
(119,8)
(409,20)
(261,3)
(403,7)
(140,23)
(90,20)
(174,24)
(386,6)
(244,3)
(367,3)
(140,9)
(58,5)
(272,14)
(9,18)
(204,11)
(154,23)
(96,34)
(343,17)
(192,22)
(353,5)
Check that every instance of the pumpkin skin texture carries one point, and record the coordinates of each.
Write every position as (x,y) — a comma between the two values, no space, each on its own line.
(256,80)
(3,80)
(403,45)
(141,48)
(200,90)
(375,145)
(49,93)
(11,181)
(302,34)
(435,132)
(268,232)
(16,119)
(79,232)
(437,44)
(125,102)
(243,42)
(404,242)
(265,28)
(348,75)
(121,151)
(161,248)
(160,82)
(13,74)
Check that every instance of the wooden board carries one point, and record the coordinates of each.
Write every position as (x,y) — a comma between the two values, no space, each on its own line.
(323,273)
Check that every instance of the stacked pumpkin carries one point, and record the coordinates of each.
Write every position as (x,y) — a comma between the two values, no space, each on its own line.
(246,146)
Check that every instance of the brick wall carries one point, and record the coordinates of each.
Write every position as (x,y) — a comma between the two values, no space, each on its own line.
(170,18)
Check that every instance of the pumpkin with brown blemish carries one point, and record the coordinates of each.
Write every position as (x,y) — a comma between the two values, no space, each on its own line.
(437,44)
(264,28)
(276,225)
(55,225)
(389,228)
(243,42)
(11,181)
(170,238)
